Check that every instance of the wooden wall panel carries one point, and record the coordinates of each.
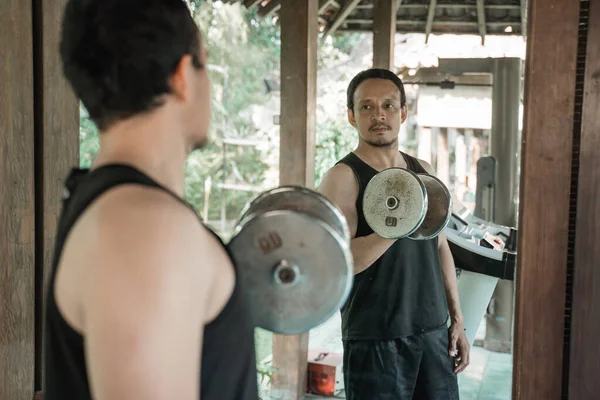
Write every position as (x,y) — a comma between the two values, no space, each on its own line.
(57,145)
(584,368)
(17,241)
(299,32)
(544,204)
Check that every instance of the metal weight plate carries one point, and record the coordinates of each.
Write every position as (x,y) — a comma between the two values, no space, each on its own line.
(395,203)
(296,268)
(439,208)
(297,198)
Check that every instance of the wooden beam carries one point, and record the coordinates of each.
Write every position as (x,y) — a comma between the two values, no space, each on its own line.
(430,17)
(251,3)
(299,32)
(458,66)
(271,8)
(523,9)
(420,6)
(57,146)
(545,198)
(384,32)
(341,16)
(17,202)
(323,6)
(481,20)
(584,382)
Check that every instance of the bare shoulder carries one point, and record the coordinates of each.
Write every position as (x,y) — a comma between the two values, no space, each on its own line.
(427,166)
(340,186)
(140,239)
(339,182)
(148,217)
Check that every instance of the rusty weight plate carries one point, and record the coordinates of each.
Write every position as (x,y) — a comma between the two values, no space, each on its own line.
(297,198)
(297,269)
(395,203)
(439,208)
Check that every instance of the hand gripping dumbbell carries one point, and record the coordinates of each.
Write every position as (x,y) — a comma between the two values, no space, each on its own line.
(292,248)
(398,203)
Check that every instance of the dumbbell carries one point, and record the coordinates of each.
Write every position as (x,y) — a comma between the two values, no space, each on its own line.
(292,249)
(398,203)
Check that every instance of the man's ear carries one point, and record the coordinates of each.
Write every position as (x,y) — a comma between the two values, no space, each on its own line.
(351,118)
(182,77)
(404,112)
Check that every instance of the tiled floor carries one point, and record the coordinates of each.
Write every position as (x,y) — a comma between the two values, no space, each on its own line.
(488,377)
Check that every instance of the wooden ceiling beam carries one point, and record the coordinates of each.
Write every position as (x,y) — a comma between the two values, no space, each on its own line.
(430,17)
(323,6)
(251,3)
(524,18)
(481,20)
(271,8)
(344,12)
(368,24)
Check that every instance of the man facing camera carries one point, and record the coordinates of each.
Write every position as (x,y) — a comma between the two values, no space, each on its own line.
(397,344)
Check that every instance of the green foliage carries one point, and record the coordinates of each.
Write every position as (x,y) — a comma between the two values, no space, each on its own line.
(334,140)
(243,51)
(89,141)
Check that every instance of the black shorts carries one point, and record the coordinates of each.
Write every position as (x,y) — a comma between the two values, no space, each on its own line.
(414,367)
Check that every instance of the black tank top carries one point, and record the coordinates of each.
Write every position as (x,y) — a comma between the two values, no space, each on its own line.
(228,364)
(400,294)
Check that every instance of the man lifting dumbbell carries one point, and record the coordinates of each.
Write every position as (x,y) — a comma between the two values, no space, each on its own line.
(143,302)
(394,323)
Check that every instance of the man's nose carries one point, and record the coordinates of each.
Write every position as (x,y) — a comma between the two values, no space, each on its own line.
(378,114)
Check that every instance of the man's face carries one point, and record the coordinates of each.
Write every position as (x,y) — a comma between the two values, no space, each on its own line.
(377,113)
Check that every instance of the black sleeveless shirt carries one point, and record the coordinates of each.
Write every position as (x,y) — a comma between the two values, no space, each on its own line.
(228,364)
(400,294)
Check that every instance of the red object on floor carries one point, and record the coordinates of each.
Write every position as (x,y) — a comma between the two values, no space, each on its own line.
(324,375)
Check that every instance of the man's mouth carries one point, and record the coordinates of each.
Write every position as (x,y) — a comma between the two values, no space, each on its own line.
(380,128)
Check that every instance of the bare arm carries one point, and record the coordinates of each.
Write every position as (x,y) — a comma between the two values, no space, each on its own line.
(450,281)
(459,345)
(145,299)
(339,185)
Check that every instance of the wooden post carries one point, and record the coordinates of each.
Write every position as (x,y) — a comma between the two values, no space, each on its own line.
(545,198)
(56,146)
(504,147)
(584,375)
(299,32)
(17,202)
(442,156)
(384,31)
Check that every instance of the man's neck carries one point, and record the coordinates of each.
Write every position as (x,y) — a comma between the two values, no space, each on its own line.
(151,144)
(380,157)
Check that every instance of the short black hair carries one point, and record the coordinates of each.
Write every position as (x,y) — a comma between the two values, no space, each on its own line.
(371,73)
(118,55)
